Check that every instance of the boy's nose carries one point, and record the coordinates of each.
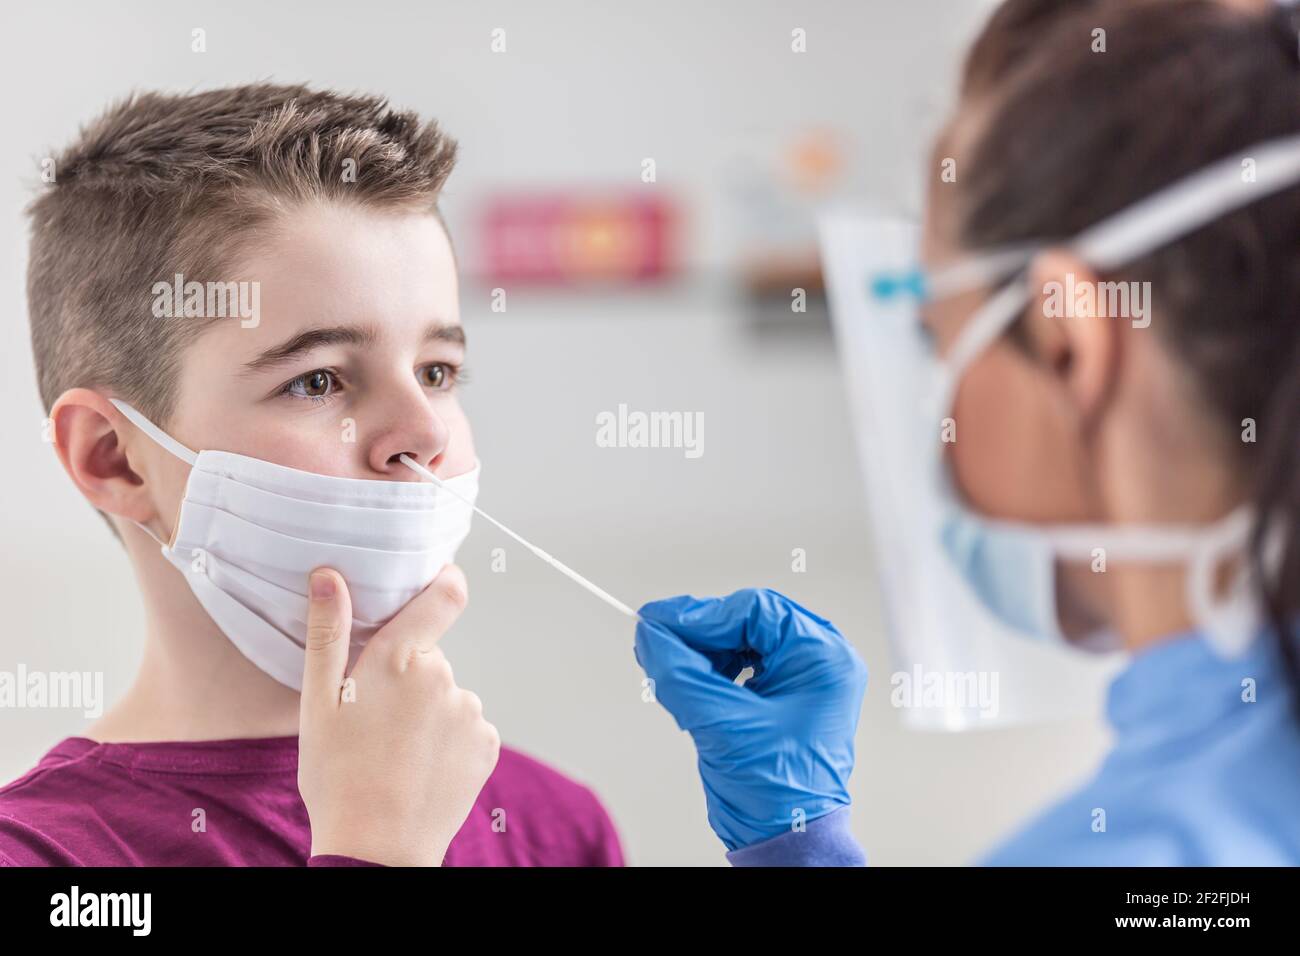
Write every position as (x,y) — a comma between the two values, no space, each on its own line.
(424,439)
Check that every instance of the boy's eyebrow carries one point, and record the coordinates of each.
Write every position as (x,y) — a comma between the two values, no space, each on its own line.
(361,335)
(446,332)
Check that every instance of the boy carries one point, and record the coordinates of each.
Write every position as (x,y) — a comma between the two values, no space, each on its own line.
(338,355)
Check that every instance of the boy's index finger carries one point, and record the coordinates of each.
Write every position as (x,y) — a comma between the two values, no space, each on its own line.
(329,633)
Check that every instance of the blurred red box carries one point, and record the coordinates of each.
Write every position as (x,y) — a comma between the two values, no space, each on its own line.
(560,238)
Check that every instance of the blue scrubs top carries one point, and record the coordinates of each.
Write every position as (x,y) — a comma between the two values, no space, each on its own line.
(1205,770)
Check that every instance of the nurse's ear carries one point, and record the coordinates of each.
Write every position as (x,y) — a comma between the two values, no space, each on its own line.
(88,436)
(1070,332)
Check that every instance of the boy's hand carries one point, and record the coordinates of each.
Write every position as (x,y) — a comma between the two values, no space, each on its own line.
(390,770)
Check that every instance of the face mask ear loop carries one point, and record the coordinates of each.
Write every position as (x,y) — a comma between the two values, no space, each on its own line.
(982,329)
(160,437)
(163,440)
(1228,623)
(147,530)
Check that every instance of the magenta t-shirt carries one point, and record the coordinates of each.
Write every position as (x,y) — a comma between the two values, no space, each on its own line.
(94,804)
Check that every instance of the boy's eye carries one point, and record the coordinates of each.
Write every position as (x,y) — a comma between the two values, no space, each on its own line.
(435,376)
(317,384)
(314,384)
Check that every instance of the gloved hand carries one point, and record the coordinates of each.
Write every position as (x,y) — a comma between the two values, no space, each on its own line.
(783,741)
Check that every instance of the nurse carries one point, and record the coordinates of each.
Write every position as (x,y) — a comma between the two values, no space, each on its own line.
(1105,473)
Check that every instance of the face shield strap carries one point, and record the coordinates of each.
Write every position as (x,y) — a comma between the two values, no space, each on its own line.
(1190,203)
(1142,228)
(978,272)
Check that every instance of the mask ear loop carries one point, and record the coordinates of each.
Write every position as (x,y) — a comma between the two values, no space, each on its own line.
(968,274)
(1230,624)
(990,321)
(163,545)
(159,436)
(167,443)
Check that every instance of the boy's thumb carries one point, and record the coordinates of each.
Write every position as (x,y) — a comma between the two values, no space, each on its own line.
(329,632)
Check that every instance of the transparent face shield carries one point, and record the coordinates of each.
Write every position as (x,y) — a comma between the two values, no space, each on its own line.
(958,665)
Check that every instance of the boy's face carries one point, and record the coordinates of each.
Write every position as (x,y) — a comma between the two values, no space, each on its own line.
(353,361)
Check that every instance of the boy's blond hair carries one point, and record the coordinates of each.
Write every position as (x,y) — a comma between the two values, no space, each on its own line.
(167,184)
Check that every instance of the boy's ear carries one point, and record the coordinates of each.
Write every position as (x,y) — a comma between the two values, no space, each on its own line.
(89,437)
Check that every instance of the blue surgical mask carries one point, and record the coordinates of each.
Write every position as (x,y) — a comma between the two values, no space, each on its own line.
(1012,570)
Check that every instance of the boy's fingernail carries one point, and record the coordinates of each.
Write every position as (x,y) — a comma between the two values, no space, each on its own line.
(322,585)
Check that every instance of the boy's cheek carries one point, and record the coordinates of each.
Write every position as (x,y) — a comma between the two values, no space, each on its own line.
(320,441)
(460,455)
(341,449)
(169,476)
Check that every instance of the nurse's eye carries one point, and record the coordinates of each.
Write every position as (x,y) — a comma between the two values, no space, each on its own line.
(925,328)
(928,336)
(317,384)
(438,375)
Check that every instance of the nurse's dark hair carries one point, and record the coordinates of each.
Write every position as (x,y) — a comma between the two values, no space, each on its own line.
(1057,135)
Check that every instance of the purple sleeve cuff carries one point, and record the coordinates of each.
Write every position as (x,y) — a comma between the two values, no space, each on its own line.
(329,859)
(827,841)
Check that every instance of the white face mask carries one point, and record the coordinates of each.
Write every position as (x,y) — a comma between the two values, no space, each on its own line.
(250,532)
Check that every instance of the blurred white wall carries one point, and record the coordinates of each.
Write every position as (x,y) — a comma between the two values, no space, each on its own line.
(583,93)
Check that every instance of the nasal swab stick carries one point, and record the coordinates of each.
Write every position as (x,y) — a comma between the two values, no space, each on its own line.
(556,563)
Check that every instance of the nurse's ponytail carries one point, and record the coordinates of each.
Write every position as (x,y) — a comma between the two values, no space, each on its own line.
(1073,110)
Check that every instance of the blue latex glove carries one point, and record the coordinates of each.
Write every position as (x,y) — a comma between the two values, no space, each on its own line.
(783,741)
